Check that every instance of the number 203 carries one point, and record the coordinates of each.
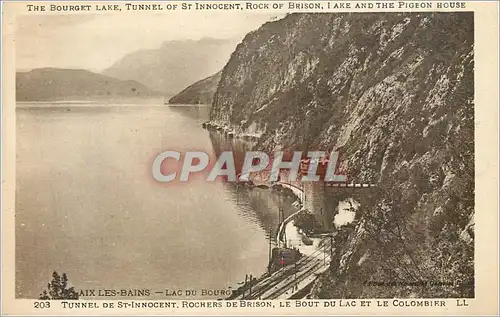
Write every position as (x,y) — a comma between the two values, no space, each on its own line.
(41,305)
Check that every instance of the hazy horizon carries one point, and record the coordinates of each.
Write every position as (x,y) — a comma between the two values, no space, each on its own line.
(95,42)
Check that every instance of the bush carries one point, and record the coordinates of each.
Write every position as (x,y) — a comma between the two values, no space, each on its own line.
(307,223)
(58,288)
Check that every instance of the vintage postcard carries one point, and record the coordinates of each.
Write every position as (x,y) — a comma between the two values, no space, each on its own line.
(250,158)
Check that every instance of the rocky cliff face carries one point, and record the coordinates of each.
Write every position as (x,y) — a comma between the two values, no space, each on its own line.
(394,93)
(201,92)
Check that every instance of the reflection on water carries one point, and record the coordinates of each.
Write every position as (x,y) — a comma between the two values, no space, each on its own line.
(194,112)
(86,203)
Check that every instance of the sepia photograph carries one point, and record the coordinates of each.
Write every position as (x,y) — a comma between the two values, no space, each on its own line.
(188,155)
(393,93)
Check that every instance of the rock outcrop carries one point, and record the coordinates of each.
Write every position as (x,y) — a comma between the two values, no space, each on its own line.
(393,92)
(201,92)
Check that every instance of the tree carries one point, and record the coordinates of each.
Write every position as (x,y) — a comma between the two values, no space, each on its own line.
(307,222)
(58,288)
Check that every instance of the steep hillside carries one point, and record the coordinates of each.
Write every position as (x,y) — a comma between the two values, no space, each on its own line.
(65,84)
(394,93)
(174,66)
(201,92)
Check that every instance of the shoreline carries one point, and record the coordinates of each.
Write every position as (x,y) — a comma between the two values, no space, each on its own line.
(315,252)
(231,133)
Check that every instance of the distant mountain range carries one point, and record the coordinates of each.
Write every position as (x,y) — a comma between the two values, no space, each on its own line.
(201,92)
(175,65)
(164,71)
(44,84)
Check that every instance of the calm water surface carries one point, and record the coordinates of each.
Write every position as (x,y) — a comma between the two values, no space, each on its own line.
(86,203)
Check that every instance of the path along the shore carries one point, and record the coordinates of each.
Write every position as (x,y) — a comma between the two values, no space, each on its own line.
(289,280)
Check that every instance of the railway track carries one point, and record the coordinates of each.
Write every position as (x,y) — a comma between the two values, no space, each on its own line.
(269,287)
(291,281)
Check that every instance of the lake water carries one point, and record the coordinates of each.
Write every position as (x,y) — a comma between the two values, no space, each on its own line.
(87,205)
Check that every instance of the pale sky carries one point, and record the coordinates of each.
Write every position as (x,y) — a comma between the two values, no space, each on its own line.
(95,42)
